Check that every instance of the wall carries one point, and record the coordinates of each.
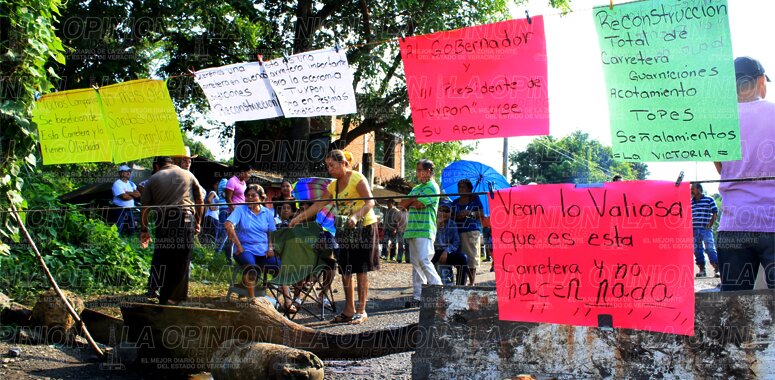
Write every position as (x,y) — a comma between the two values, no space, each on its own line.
(465,340)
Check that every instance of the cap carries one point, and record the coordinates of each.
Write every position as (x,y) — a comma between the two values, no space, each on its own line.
(747,67)
(124,168)
(188,154)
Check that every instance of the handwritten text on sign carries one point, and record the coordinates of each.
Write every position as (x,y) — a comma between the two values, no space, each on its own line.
(141,120)
(314,83)
(670,80)
(71,128)
(479,82)
(239,92)
(617,256)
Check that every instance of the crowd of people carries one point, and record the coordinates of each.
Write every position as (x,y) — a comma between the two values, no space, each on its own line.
(442,240)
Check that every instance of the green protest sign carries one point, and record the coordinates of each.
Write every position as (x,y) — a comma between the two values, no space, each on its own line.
(670,80)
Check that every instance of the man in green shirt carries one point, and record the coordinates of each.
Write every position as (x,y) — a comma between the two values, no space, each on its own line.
(421,229)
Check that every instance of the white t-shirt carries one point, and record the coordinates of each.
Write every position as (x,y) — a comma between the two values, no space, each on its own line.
(121,187)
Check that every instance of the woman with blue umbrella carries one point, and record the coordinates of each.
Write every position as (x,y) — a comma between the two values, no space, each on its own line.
(468,211)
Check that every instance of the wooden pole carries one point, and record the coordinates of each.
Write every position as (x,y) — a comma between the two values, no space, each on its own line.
(70,310)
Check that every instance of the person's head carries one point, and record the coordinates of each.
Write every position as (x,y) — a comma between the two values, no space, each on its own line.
(464,186)
(445,211)
(243,171)
(286,189)
(286,211)
(617,178)
(696,190)
(124,172)
(184,161)
(336,163)
(425,169)
(751,80)
(162,161)
(215,184)
(391,203)
(255,193)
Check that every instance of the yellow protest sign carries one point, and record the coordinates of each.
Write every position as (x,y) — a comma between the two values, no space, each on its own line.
(71,128)
(140,120)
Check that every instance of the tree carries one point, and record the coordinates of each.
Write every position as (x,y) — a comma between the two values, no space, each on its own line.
(199,34)
(572,159)
(27,43)
(442,154)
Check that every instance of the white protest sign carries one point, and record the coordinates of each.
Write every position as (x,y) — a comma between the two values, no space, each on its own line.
(238,92)
(313,83)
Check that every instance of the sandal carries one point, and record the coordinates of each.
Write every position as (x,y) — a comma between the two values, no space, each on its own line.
(341,318)
(359,318)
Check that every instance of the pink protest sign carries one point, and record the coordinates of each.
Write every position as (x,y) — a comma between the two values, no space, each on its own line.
(480,82)
(616,256)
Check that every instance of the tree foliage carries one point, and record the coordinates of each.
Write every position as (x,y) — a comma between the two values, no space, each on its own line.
(27,44)
(442,154)
(167,38)
(572,159)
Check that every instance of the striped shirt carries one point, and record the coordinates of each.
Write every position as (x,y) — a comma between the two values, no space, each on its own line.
(422,222)
(703,210)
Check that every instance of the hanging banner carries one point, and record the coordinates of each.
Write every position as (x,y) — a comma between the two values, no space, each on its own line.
(480,82)
(617,256)
(239,92)
(670,80)
(313,83)
(140,120)
(71,128)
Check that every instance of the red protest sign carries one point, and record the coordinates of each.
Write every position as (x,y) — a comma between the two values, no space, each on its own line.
(614,256)
(480,82)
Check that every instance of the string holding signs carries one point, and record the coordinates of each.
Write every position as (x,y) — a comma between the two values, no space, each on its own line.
(479,82)
(313,83)
(140,120)
(239,92)
(615,256)
(670,80)
(71,128)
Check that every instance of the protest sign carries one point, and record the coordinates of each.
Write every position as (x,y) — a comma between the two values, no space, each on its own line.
(619,255)
(71,128)
(479,82)
(313,83)
(140,120)
(239,92)
(670,80)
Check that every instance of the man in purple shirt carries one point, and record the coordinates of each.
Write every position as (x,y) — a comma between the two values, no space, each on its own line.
(746,237)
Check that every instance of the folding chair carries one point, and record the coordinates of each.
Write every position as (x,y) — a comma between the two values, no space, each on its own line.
(305,268)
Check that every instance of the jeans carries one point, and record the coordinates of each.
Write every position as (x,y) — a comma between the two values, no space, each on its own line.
(704,236)
(740,254)
(423,271)
(403,247)
(125,218)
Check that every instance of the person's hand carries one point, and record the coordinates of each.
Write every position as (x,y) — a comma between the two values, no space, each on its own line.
(270,252)
(197,228)
(239,250)
(352,221)
(293,222)
(443,258)
(145,238)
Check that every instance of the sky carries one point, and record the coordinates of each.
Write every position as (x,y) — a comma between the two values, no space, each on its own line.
(577,95)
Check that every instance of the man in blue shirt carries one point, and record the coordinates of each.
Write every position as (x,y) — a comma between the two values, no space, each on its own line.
(704,212)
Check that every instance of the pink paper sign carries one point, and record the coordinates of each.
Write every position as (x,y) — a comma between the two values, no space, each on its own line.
(480,82)
(614,256)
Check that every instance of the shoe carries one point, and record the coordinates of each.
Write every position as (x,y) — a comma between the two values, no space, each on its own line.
(359,319)
(411,304)
(701,273)
(717,275)
(341,318)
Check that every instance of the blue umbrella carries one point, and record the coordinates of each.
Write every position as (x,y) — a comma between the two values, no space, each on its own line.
(480,175)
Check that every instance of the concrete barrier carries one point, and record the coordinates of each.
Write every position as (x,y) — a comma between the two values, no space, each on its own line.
(462,338)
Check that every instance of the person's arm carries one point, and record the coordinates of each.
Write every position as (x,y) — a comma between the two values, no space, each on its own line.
(199,202)
(229,194)
(718,166)
(145,236)
(233,237)
(134,193)
(712,220)
(311,211)
(209,201)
